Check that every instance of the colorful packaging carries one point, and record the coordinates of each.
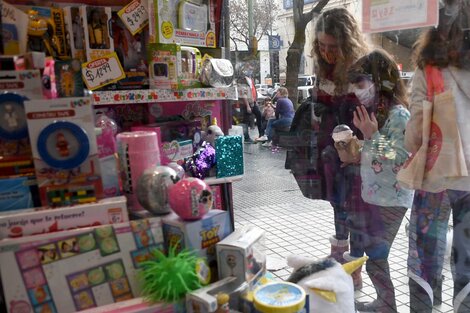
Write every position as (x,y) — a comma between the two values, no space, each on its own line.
(63,142)
(78,269)
(18,193)
(96,22)
(14,224)
(76,33)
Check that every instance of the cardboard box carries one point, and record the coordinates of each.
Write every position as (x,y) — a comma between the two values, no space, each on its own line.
(243,255)
(63,141)
(75,30)
(18,193)
(182,22)
(200,235)
(78,269)
(96,22)
(137,305)
(14,224)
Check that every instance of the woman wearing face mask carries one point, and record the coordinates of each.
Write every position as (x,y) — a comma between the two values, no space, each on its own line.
(337,45)
(380,90)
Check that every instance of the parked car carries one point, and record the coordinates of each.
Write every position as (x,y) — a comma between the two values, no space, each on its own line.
(306,80)
(262,88)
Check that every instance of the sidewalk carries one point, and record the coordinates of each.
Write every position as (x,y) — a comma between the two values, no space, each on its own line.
(269,198)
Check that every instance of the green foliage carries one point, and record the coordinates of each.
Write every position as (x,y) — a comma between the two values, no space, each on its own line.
(169,278)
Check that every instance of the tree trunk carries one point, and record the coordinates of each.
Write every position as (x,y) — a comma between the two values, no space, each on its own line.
(296,49)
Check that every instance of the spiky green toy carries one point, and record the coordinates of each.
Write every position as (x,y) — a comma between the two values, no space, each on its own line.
(169,278)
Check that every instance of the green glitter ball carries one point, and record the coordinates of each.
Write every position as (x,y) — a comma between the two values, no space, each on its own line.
(169,278)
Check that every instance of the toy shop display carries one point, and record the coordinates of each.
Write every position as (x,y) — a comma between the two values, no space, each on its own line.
(18,193)
(152,189)
(77,269)
(29,222)
(242,254)
(96,23)
(63,142)
(137,151)
(199,236)
(183,22)
(329,284)
(190,198)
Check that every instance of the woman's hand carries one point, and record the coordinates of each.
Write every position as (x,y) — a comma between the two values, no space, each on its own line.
(367,125)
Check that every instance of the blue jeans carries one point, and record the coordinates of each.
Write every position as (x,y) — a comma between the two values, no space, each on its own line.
(276,123)
(427,240)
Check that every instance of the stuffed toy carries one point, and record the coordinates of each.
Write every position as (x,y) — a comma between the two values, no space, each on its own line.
(347,145)
(327,282)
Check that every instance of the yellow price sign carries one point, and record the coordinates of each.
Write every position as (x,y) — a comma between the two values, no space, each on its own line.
(167,29)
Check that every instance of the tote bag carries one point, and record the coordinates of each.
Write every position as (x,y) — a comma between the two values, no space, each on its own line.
(441,155)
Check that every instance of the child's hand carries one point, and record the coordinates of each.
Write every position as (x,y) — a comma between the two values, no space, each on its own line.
(367,125)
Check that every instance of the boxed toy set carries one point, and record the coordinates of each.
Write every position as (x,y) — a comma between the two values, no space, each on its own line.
(96,23)
(78,269)
(182,22)
(63,142)
(20,192)
(29,222)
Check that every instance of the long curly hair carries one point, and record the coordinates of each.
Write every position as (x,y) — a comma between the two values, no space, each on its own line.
(341,25)
(449,43)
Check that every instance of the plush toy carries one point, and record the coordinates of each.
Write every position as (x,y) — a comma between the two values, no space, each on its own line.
(213,132)
(169,278)
(327,282)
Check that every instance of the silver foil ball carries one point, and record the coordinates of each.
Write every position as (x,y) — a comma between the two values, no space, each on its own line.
(152,189)
(178,169)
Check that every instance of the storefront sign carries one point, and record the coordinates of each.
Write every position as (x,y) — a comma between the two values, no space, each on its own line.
(389,15)
(135,16)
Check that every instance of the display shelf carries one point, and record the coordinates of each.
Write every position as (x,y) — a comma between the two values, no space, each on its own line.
(163,95)
(223,180)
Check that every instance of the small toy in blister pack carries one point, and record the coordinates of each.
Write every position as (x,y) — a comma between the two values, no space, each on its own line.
(68,78)
(64,149)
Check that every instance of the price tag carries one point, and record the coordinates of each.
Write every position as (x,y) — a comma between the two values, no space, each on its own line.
(103,71)
(135,16)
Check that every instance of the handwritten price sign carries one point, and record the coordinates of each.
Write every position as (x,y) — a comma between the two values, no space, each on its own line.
(103,71)
(135,16)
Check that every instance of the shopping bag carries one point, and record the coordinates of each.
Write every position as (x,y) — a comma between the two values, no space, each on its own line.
(441,157)
(445,158)
(412,172)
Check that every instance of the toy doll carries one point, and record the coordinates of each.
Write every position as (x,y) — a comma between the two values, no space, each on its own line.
(222,303)
(62,145)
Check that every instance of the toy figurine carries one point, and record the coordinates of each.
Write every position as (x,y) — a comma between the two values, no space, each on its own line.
(62,145)
(213,132)
(97,31)
(10,116)
(222,303)
(347,145)
(41,35)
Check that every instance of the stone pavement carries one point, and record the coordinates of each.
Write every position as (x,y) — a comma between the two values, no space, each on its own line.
(268,197)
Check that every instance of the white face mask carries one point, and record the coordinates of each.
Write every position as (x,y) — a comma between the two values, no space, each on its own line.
(366,96)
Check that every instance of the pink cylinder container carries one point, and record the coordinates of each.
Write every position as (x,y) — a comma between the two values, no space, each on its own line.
(138,151)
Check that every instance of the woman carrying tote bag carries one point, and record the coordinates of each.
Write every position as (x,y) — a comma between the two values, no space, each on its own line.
(447,49)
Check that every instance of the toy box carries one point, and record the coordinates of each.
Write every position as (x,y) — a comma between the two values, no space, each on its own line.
(77,269)
(131,51)
(57,45)
(14,29)
(243,255)
(63,142)
(137,305)
(27,222)
(200,236)
(18,193)
(182,22)
(75,30)
(15,147)
(95,23)
(173,66)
